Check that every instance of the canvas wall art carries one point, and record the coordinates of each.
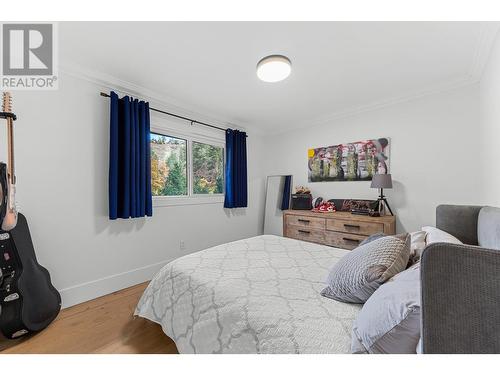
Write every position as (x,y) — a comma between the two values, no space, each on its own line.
(356,161)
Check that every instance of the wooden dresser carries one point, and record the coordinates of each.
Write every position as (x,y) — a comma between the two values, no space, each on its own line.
(339,229)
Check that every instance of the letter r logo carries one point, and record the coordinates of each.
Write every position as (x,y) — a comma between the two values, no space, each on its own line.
(27,49)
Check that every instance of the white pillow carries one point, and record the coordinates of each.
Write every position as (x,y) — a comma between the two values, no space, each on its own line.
(389,321)
(418,243)
(438,235)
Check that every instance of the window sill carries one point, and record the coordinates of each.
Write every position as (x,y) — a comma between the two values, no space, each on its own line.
(185,201)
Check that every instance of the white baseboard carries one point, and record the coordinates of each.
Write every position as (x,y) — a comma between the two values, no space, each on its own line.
(97,288)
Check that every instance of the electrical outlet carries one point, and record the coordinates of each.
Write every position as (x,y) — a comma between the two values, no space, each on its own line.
(182,245)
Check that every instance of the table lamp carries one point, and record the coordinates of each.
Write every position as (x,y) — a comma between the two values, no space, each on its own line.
(382,181)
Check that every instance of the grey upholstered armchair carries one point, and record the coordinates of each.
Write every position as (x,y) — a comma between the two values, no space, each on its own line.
(461,283)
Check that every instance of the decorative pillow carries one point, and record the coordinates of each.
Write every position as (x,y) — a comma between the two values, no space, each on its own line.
(438,235)
(488,227)
(418,243)
(371,238)
(358,274)
(389,322)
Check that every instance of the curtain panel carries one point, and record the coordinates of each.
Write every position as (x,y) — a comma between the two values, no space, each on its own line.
(129,159)
(236,169)
(287,187)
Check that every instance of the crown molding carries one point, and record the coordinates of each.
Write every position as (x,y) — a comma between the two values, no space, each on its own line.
(374,106)
(155,98)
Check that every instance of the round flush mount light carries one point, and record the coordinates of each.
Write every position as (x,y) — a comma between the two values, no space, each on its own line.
(274,68)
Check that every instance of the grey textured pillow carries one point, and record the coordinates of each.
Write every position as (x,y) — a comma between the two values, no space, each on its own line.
(371,238)
(389,322)
(358,274)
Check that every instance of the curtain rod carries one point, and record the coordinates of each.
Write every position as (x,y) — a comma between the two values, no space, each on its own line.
(178,116)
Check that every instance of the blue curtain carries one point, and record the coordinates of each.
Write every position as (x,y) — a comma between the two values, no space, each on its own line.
(129,159)
(236,169)
(285,201)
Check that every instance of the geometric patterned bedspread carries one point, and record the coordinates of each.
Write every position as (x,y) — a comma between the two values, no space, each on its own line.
(258,295)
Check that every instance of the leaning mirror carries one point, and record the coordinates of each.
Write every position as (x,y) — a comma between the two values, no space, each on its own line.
(278,193)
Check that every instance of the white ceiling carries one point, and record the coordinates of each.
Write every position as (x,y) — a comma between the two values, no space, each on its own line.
(337,67)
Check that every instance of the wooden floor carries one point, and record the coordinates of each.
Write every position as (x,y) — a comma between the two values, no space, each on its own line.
(103,325)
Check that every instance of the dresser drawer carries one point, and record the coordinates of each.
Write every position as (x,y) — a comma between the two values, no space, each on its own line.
(306,221)
(343,240)
(357,227)
(306,234)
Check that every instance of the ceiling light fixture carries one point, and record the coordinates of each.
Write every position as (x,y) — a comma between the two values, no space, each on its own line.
(274,68)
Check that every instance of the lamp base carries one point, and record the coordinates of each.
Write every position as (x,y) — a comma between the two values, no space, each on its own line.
(382,202)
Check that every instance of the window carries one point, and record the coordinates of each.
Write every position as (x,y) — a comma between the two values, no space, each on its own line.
(168,165)
(186,167)
(208,169)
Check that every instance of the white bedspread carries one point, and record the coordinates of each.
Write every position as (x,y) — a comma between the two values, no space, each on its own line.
(259,295)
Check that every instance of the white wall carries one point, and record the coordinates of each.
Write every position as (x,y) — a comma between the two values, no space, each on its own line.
(433,158)
(62,166)
(490,127)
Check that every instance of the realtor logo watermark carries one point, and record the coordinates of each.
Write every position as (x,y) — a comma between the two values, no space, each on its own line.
(29,59)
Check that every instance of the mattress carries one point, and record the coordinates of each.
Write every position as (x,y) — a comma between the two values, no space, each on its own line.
(258,295)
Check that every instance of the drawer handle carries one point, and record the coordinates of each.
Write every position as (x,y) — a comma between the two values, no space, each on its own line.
(350,239)
(304,231)
(304,220)
(352,226)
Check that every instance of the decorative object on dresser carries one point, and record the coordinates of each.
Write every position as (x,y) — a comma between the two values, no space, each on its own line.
(302,201)
(358,206)
(338,229)
(302,198)
(324,206)
(382,181)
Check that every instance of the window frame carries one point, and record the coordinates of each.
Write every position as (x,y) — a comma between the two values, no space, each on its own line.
(190,198)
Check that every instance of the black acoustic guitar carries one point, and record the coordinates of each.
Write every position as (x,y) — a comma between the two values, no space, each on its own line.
(28,300)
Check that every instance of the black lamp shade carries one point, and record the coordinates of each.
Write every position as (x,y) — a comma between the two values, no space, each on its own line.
(381,181)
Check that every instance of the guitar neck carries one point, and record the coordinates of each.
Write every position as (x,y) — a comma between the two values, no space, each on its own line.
(10,139)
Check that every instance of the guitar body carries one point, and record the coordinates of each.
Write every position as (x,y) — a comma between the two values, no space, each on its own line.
(4,190)
(29,302)
(10,217)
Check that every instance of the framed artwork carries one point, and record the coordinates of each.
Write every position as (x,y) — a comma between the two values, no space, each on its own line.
(356,161)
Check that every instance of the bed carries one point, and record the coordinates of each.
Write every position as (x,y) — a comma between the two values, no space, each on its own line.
(262,294)
(258,295)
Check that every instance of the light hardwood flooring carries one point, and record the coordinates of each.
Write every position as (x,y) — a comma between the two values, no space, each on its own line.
(103,325)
